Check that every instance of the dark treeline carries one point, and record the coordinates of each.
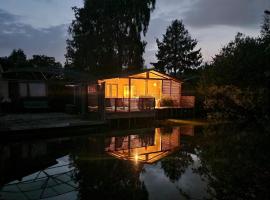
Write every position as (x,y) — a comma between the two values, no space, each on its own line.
(235,85)
(18,60)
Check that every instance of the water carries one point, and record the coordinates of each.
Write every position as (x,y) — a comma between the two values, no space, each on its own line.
(186,162)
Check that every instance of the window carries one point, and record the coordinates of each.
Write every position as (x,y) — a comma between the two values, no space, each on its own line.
(132,90)
(37,89)
(32,89)
(111,90)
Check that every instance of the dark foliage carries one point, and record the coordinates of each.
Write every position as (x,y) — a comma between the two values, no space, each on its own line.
(236,84)
(106,35)
(176,51)
(44,61)
(18,60)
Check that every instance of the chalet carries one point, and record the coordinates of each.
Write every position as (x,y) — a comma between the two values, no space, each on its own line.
(134,92)
(129,94)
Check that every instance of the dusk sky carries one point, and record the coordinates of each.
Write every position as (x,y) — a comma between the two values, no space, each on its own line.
(40,26)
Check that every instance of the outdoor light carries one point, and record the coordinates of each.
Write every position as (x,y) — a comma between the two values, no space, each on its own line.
(155,84)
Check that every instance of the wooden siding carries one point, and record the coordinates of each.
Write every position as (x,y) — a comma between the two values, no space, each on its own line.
(187,101)
(172,89)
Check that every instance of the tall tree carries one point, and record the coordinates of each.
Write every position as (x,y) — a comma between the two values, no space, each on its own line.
(106,35)
(176,51)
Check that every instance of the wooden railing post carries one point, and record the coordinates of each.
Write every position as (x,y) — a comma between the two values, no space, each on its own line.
(129,93)
(115,104)
(101,100)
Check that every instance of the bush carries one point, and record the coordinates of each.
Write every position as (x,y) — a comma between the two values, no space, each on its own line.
(166,101)
(230,102)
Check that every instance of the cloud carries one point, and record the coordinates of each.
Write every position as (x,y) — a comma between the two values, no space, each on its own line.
(42,13)
(202,13)
(212,22)
(14,34)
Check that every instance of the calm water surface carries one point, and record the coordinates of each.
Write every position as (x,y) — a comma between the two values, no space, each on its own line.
(186,162)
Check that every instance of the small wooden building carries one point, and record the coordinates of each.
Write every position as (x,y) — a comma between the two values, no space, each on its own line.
(146,90)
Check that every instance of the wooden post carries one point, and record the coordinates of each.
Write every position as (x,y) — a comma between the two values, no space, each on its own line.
(170,88)
(129,93)
(115,104)
(101,100)
(84,99)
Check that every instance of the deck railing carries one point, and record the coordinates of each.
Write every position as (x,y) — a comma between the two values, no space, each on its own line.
(129,105)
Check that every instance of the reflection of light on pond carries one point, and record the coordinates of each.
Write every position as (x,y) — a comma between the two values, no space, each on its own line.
(136,157)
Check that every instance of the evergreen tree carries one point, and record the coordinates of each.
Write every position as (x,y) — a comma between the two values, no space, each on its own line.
(176,51)
(106,35)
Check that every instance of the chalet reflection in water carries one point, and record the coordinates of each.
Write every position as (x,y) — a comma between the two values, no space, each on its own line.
(148,148)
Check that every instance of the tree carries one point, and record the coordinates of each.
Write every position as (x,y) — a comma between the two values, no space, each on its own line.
(236,84)
(176,51)
(44,61)
(17,58)
(106,35)
(265,30)
(244,55)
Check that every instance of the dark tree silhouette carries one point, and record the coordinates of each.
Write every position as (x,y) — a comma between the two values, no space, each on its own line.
(44,61)
(176,51)
(106,35)
(265,29)
(17,58)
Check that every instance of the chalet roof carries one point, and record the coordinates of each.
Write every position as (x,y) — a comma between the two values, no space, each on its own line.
(129,73)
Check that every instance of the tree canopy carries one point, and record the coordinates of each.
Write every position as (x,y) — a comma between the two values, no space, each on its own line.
(106,35)
(17,60)
(236,83)
(176,51)
(44,61)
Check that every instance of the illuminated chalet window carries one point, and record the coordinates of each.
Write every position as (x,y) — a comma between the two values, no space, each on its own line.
(132,91)
(111,90)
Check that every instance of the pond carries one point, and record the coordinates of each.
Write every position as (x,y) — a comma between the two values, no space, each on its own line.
(184,162)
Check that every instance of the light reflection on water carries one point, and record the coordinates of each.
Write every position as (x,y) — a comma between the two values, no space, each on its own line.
(153,163)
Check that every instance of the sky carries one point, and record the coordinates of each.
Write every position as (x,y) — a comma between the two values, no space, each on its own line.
(40,26)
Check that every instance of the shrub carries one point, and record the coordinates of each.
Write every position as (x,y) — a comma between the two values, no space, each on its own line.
(166,101)
(230,102)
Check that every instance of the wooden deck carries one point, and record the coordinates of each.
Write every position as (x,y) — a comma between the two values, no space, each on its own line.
(44,124)
(126,115)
